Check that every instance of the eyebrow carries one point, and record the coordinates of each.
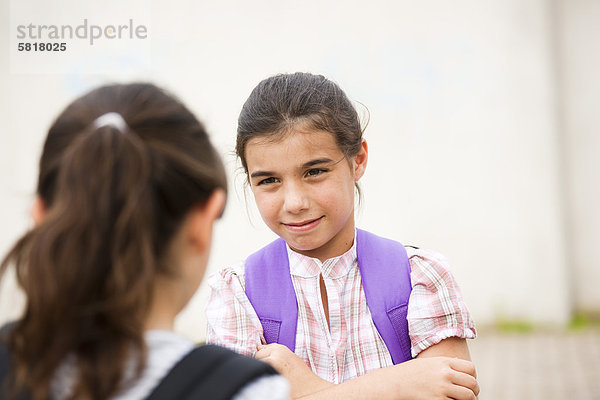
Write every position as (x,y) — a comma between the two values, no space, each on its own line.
(308,164)
(260,174)
(318,161)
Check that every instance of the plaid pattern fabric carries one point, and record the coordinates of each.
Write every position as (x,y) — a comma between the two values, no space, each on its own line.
(352,347)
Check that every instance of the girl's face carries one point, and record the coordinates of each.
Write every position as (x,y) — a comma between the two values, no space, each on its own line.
(304,189)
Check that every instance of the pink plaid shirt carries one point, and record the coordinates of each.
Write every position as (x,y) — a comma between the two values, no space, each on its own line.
(352,347)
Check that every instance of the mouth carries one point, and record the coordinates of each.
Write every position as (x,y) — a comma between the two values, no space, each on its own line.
(303,225)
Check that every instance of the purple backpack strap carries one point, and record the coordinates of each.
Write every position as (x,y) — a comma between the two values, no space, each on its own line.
(270,290)
(385,273)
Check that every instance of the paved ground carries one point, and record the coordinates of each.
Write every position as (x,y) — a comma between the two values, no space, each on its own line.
(539,365)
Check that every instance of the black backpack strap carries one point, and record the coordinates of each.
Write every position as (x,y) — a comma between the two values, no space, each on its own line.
(5,357)
(209,372)
(6,363)
(4,366)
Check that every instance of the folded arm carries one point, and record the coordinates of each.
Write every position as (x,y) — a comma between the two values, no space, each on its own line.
(422,378)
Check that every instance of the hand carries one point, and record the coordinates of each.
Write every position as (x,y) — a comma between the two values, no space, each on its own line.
(303,380)
(440,378)
(430,378)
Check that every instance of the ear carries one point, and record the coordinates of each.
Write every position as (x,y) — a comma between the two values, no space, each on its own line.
(38,210)
(360,160)
(202,218)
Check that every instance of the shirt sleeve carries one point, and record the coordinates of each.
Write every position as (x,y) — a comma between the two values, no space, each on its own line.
(231,320)
(436,309)
(273,387)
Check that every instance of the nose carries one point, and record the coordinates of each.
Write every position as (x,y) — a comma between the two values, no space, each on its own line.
(296,198)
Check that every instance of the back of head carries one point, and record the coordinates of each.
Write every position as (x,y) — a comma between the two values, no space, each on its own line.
(280,103)
(116,188)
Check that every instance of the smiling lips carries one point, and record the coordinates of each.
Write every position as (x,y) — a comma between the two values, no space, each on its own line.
(304,225)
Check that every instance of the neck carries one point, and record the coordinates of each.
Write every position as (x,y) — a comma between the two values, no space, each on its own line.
(166,304)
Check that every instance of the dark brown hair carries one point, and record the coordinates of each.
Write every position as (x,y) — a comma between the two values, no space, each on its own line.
(114,199)
(279,103)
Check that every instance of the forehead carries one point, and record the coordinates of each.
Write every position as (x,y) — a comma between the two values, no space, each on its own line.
(294,147)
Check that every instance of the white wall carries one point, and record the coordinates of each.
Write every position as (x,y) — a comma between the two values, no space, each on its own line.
(465,143)
(579,63)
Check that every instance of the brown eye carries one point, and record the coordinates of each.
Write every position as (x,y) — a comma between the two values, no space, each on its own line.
(315,171)
(267,181)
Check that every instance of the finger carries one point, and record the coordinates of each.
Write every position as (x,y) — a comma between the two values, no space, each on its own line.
(267,349)
(260,346)
(262,353)
(269,360)
(262,339)
(465,366)
(272,347)
(461,393)
(465,380)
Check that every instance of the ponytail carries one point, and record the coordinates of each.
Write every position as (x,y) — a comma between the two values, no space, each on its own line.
(88,269)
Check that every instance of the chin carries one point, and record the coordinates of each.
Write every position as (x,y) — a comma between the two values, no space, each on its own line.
(305,246)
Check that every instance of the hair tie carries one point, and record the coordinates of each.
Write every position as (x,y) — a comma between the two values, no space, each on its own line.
(111,118)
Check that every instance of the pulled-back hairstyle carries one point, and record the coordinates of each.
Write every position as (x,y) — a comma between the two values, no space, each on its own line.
(277,104)
(114,199)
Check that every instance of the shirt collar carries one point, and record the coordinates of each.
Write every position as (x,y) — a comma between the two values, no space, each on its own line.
(308,267)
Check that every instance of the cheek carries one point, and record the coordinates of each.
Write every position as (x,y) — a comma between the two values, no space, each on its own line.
(336,197)
(267,204)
